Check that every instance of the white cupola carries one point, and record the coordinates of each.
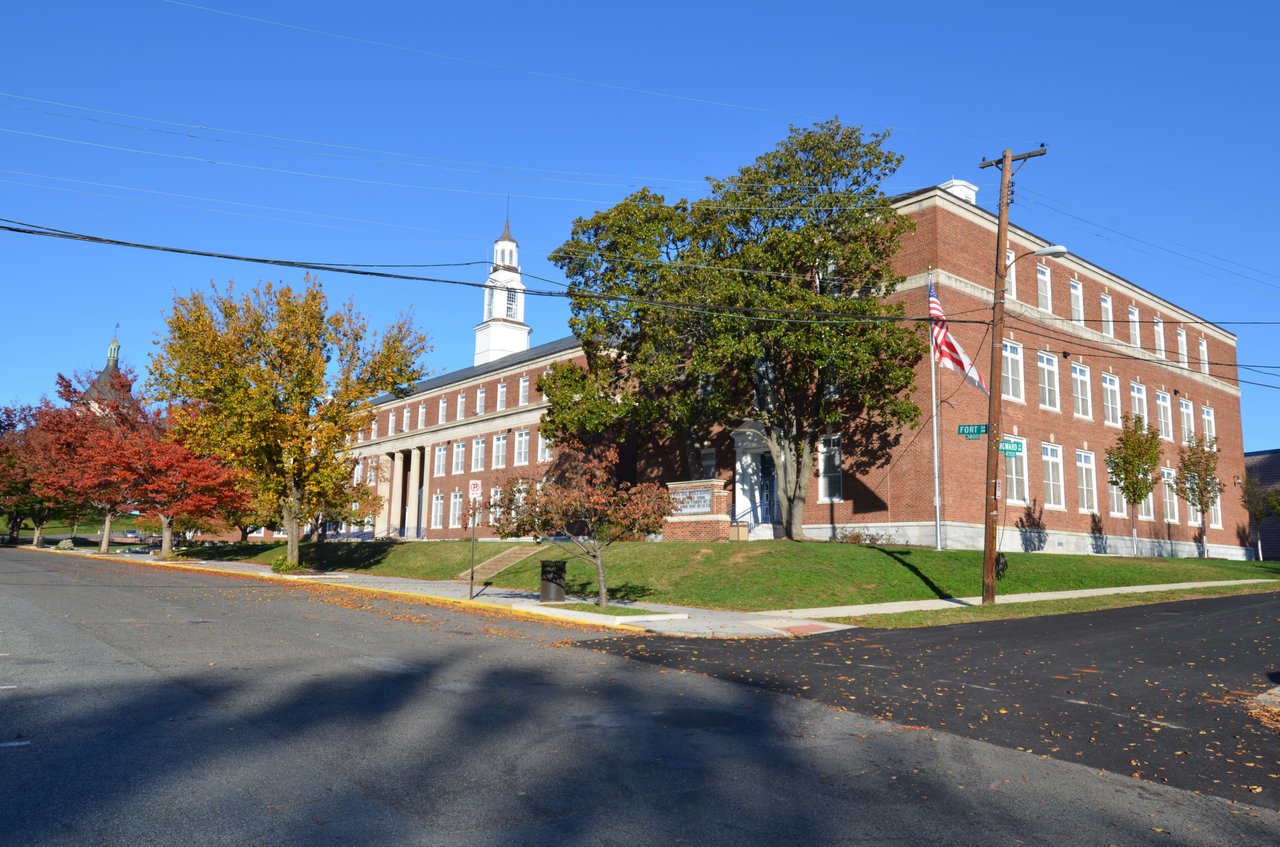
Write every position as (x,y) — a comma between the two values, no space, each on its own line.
(503,330)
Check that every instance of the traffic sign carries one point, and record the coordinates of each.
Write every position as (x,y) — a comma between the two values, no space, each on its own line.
(1010,448)
(475,489)
(971,429)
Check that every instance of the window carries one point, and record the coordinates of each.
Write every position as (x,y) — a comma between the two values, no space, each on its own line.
(477,454)
(459,456)
(494,511)
(404,420)
(391,422)
(455,510)
(1157,331)
(437,510)
(707,459)
(480,392)
(440,453)
(1209,427)
(522,447)
(1193,514)
(462,406)
(1181,335)
(1081,393)
(1204,356)
(500,451)
(1047,366)
(544,448)
(1188,420)
(1108,319)
(360,436)
(1147,508)
(502,396)
(1015,473)
(1077,302)
(1111,400)
(370,471)
(1164,415)
(1051,463)
(1011,379)
(1044,291)
(1119,508)
(373,430)
(1010,277)
(1215,513)
(422,415)
(830,469)
(1086,482)
(1138,400)
(444,410)
(524,391)
(1170,490)
(1135,327)
(512,301)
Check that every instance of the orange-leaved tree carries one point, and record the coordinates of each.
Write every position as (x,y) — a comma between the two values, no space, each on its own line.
(581,507)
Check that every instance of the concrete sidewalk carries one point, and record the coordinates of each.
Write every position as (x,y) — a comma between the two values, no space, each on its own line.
(666,619)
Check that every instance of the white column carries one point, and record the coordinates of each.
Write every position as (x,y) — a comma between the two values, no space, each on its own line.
(382,523)
(411,527)
(397,494)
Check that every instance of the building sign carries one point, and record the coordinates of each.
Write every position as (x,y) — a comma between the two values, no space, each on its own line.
(692,502)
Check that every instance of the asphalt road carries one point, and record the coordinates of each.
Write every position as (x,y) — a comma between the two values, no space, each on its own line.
(140,706)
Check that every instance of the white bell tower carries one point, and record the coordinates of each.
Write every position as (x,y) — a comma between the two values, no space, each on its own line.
(503,331)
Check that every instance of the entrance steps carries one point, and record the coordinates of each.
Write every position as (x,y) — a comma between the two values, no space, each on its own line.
(487,569)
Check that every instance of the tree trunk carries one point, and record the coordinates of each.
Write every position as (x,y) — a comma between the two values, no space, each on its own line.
(1259,543)
(104,545)
(1204,534)
(1133,524)
(792,472)
(244,534)
(289,511)
(166,536)
(38,538)
(602,599)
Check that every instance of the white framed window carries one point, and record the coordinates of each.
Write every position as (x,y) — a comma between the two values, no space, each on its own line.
(1138,401)
(480,392)
(494,511)
(455,510)
(1047,367)
(1111,400)
(707,461)
(462,406)
(1077,302)
(477,454)
(404,420)
(1168,479)
(1081,391)
(830,470)
(459,456)
(1108,318)
(500,450)
(1204,356)
(1208,426)
(1086,482)
(524,391)
(544,449)
(391,422)
(444,409)
(370,471)
(501,399)
(1215,513)
(1157,334)
(1010,277)
(360,436)
(1116,502)
(522,447)
(1188,415)
(422,415)
(1015,472)
(1011,378)
(1135,327)
(1164,415)
(1193,514)
(357,471)
(373,429)
(1051,464)
(1044,288)
(1181,336)
(437,510)
(439,460)
(1147,507)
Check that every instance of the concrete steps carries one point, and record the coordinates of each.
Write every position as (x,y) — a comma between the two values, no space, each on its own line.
(488,568)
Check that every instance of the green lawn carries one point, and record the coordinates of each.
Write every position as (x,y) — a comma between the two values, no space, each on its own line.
(416,560)
(89,526)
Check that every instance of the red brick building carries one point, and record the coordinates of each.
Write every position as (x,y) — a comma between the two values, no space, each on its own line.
(1081,347)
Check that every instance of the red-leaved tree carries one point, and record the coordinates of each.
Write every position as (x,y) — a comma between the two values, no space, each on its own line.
(581,507)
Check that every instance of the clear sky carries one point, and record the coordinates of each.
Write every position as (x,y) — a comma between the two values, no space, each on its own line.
(393,133)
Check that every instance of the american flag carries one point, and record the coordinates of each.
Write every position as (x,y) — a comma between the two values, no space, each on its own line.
(946,349)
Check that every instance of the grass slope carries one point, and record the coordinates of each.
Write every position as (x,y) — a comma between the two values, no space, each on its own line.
(427,560)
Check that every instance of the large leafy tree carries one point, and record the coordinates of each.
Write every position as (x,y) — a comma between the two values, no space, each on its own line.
(1197,480)
(1133,464)
(763,301)
(22,496)
(278,384)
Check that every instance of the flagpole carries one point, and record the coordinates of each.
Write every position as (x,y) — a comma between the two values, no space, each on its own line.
(933,383)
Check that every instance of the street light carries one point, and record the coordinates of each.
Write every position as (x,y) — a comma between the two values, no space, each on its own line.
(994,430)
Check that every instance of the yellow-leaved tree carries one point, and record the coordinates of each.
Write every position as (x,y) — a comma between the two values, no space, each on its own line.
(279,385)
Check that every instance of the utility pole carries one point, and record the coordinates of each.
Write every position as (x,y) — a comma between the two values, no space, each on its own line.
(994,431)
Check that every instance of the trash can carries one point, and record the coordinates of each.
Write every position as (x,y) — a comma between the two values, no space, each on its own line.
(552,589)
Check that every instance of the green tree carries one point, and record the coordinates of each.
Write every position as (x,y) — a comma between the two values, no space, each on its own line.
(1133,464)
(762,302)
(278,385)
(1259,501)
(1197,480)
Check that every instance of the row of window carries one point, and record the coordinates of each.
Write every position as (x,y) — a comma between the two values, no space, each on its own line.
(1082,395)
(478,449)
(455,509)
(1087,472)
(1107,322)
(460,408)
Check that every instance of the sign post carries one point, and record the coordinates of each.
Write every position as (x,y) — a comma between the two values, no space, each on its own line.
(474,492)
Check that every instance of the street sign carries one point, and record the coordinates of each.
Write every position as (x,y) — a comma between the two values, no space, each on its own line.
(1010,448)
(475,489)
(971,429)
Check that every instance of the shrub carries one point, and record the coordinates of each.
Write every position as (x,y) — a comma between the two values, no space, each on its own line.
(65,544)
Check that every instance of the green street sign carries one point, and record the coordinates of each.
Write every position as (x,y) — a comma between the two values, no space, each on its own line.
(971,430)
(1010,448)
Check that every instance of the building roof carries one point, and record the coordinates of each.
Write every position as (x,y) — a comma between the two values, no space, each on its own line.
(1264,466)
(551,348)
(107,384)
(506,234)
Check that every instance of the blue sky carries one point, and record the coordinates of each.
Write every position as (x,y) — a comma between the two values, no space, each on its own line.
(393,133)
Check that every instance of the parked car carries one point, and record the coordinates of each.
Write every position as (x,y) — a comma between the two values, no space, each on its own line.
(133,533)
